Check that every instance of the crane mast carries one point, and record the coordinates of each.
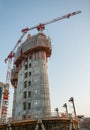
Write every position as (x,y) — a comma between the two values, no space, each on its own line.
(39,27)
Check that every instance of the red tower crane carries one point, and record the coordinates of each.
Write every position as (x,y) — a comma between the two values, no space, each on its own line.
(39,27)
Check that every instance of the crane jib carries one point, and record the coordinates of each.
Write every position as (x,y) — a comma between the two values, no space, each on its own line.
(41,27)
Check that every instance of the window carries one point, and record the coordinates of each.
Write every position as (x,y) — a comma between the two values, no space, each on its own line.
(25,84)
(24,106)
(29,94)
(29,83)
(29,65)
(25,94)
(25,75)
(29,105)
(29,73)
(26,67)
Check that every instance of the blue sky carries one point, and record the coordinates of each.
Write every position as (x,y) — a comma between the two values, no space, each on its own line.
(69,65)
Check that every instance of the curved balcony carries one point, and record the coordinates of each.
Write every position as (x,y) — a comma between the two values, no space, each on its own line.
(35,43)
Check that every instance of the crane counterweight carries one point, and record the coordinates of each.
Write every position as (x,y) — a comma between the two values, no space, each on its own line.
(25,30)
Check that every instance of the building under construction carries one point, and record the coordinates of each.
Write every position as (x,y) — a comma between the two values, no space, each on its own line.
(31,103)
(29,77)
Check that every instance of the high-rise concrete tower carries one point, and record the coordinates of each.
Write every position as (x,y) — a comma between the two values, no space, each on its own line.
(29,77)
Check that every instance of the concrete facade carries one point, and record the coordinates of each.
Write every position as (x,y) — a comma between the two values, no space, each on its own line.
(29,78)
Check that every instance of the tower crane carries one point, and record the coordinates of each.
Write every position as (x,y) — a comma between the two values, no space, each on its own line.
(39,27)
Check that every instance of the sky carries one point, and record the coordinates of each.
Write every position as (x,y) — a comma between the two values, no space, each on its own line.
(69,65)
